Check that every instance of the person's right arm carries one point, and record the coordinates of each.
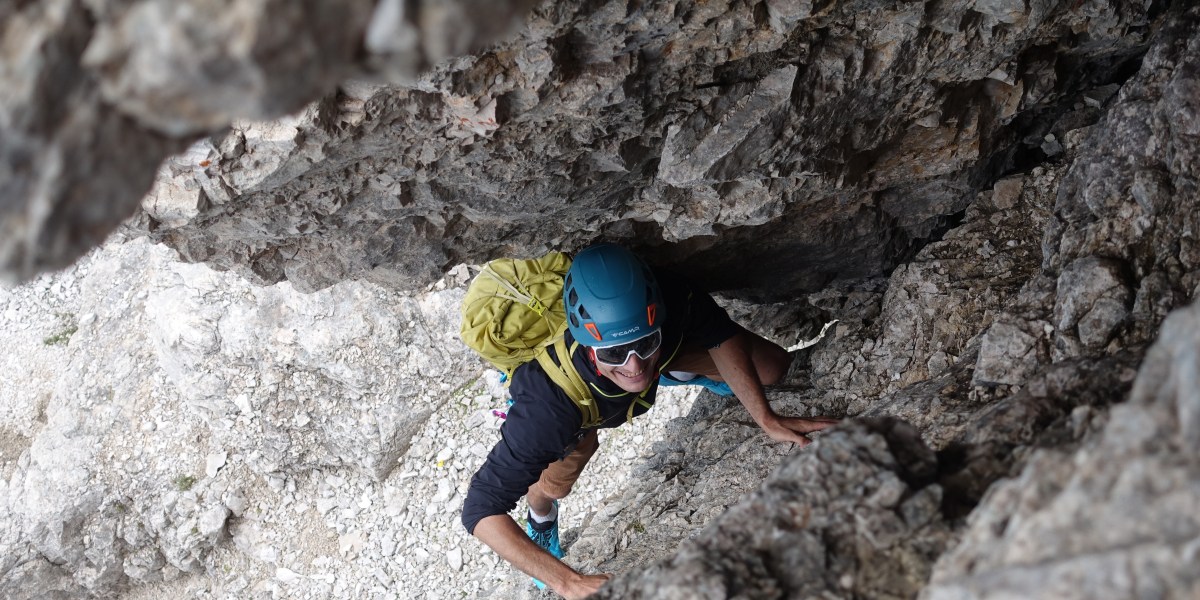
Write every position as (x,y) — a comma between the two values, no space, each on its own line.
(540,425)
(506,539)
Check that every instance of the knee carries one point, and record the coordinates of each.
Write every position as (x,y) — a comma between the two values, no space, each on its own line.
(550,491)
(773,364)
(560,493)
(551,488)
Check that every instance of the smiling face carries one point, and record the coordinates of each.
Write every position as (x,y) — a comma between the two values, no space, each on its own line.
(635,375)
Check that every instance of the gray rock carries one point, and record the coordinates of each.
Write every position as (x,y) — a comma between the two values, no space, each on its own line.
(1007,355)
(999,225)
(811,129)
(825,523)
(1033,535)
(97,96)
(695,147)
(329,355)
(157,59)
(1093,299)
(116,503)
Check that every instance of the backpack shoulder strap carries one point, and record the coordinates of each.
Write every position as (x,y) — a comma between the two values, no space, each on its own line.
(566,377)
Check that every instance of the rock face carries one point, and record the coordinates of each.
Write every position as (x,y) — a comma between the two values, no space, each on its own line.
(871,482)
(199,394)
(1035,532)
(994,345)
(1035,535)
(98,93)
(849,133)
(995,200)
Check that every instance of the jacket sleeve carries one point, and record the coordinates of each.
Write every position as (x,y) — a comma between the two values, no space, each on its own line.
(542,427)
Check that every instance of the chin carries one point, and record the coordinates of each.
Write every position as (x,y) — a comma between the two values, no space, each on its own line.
(629,384)
(635,387)
(638,385)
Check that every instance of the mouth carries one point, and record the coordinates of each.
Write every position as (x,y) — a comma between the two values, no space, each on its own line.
(629,375)
(632,381)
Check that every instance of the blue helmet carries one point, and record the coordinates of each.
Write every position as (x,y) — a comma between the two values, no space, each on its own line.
(611,297)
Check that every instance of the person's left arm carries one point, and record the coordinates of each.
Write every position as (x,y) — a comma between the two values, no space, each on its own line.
(734,359)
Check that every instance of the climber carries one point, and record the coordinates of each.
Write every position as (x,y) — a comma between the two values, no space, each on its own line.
(637,329)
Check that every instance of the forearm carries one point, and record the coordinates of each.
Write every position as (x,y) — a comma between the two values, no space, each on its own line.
(506,539)
(733,360)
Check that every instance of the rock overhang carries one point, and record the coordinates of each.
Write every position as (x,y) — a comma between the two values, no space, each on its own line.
(768,154)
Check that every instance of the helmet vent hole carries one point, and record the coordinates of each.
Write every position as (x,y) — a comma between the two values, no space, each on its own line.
(572,298)
(574,321)
(584,313)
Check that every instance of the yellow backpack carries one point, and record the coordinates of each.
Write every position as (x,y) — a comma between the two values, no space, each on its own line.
(513,313)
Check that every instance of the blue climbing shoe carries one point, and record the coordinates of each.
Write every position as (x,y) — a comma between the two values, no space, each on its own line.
(544,535)
(719,388)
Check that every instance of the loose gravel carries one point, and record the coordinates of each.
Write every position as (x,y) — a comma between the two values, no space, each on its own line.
(314,532)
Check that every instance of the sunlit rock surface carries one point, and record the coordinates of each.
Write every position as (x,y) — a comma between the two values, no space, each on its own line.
(995,200)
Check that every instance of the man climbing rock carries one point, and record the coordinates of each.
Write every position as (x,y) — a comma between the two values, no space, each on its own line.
(630,329)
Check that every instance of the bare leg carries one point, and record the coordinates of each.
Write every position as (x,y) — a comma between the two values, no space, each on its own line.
(771,361)
(539,501)
(559,477)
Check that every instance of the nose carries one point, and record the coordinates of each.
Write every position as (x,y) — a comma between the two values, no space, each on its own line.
(635,362)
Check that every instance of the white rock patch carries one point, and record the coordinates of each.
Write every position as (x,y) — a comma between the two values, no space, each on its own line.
(255,442)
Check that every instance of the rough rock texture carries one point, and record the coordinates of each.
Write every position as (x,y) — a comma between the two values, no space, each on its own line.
(993,353)
(871,482)
(124,474)
(1036,535)
(332,378)
(997,201)
(846,132)
(96,93)
(1114,519)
